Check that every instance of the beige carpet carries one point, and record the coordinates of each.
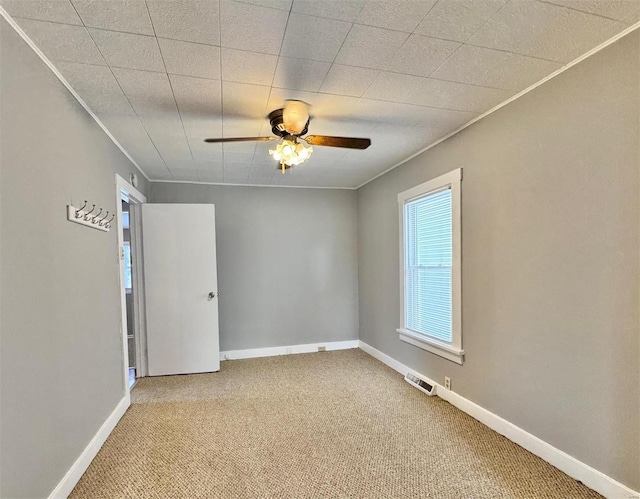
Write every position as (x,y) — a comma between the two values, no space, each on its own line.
(334,424)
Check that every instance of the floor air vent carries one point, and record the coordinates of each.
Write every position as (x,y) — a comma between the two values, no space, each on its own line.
(423,384)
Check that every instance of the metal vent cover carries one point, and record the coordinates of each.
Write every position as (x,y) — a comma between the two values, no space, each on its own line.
(422,384)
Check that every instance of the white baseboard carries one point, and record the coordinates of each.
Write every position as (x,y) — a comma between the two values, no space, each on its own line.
(287,350)
(69,481)
(591,477)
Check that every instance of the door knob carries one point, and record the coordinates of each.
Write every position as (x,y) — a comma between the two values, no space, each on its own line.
(211,295)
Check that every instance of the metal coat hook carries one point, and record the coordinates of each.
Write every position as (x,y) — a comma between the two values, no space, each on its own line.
(79,211)
(101,221)
(108,224)
(86,215)
(95,217)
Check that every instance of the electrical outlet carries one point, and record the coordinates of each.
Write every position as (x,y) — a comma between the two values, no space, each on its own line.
(322,349)
(447,382)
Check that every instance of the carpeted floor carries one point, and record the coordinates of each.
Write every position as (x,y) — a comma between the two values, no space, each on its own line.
(334,424)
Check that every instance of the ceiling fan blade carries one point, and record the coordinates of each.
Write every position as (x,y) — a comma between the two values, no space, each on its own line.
(347,142)
(240,139)
(295,116)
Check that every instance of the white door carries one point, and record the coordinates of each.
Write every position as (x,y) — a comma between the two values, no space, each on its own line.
(179,250)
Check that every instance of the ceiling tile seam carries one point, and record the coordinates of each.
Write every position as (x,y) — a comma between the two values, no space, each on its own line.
(548,2)
(255,52)
(296,90)
(173,94)
(486,22)
(95,44)
(514,53)
(16,27)
(557,72)
(391,58)
(88,33)
(135,111)
(117,66)
(341,45)
(386,100)
(172,73)
(197,43)
(409,32)
(259,5)
(423,18)
(395,30)
(325,17)
(161,37)
(122,32)
(153,28)
(430,77)
(77,13)
(372,26)
(462,44)
(468,84)
(78,25)
(357,15)
(368,86)
(275,70)
(268,53)
(429,107)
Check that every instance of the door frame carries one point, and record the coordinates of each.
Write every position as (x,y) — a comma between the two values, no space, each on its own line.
(126,191)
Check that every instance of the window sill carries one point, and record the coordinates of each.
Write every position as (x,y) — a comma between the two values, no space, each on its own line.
(433,346)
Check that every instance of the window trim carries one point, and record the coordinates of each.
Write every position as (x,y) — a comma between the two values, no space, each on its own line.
(451,351)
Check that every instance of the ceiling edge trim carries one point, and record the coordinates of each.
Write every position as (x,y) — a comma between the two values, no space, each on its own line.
(62,79)
(252,185)
(584,56)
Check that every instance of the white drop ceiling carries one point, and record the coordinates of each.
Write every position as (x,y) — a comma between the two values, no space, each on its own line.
(163,75)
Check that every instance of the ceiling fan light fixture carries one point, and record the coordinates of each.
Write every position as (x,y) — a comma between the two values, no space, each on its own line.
(275,154)
(290,153)
(303,152)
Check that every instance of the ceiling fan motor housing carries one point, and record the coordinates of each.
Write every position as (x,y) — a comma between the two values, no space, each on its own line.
(277,125)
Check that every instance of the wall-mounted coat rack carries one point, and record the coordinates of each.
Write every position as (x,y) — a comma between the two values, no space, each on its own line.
(90,217)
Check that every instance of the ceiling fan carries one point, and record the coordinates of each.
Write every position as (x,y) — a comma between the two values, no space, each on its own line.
(291,123)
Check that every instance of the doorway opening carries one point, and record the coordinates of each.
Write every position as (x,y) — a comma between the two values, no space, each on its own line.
(128,289)
(131,282)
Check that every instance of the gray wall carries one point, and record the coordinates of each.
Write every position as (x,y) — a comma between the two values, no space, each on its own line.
(550,261)
(61,354)
(550,249)
(287,262)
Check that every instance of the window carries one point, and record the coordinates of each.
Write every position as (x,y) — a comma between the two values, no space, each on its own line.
(430,288)
(127,267)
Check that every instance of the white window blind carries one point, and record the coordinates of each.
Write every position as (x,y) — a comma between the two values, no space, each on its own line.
(428,265)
